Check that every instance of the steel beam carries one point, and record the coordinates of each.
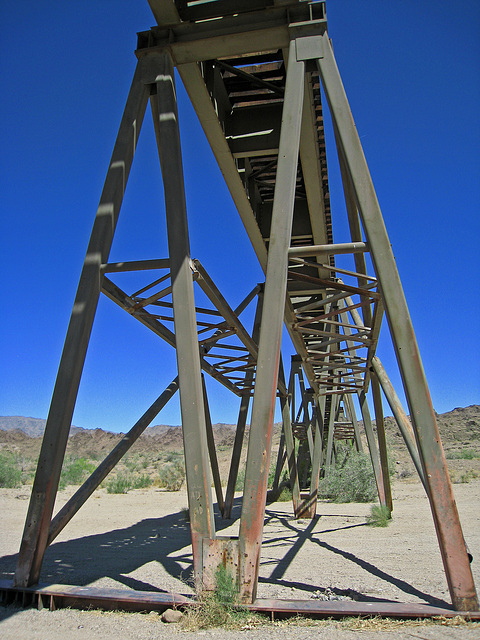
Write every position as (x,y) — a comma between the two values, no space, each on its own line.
(212,452)
(231,36)
(400,416)
(444,510)
(308,505)
(59,419)
(259,447)
(328,249)
(77,597)
(372,447)
(242,419)
(79,498)
(382,442)
(350,408)
(290,451)
(188,357)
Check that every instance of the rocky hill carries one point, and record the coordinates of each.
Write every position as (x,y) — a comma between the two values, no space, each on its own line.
(458,428)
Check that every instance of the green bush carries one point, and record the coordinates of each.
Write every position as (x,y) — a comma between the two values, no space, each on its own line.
(121,483)
(352,480)
(142,482)
(75,471)
(171,475)
(380,516)
(10,472)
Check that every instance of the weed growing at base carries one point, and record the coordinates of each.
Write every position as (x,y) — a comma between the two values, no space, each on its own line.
(380,516)
(220,607)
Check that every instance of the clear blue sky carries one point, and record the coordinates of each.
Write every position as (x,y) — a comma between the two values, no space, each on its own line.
(412,74)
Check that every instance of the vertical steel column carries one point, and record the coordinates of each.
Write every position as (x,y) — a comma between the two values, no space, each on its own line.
(212,452)
(288,410)
(242,417)
(372,447)
(353,417)
(59,419)
(444,510)
(290,451)
(187,349)
(382,442)
(281,459)
(259,446)
(331,431)
(308,506)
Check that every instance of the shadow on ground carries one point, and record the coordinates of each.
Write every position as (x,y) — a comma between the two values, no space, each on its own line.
(115,554)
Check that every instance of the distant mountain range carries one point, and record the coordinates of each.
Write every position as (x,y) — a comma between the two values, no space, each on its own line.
(34,427)
(462,425)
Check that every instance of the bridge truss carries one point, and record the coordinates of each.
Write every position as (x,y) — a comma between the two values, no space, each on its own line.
(254,72)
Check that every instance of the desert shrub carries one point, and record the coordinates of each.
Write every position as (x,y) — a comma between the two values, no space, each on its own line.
(271,476)
(75,471)
(93,454)
(142,482)
(240,483)
(352,480)
(380,516)
(463,478)
(285,495)
(464,454)
(10,471)
(173,456)
(171,475)
(121,483)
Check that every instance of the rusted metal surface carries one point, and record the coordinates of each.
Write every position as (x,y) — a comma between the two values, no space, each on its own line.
(55,596)
(58,596)
(188,357)
(345,608)
(259,446)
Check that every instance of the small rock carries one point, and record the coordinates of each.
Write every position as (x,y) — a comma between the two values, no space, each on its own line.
(172,615)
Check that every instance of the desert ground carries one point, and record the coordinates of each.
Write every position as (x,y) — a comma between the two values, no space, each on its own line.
(140,540)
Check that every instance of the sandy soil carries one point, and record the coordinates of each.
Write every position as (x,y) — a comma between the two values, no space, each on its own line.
(141,541)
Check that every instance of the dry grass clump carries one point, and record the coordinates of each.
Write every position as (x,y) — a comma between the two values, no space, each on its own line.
(377,623)
(220,607)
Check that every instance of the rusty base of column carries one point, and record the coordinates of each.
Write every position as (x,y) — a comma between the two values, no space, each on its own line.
(56,596)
